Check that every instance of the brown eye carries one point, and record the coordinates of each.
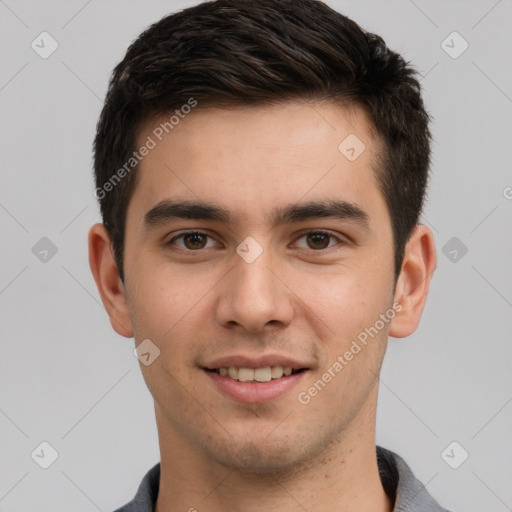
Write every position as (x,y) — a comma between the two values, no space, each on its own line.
(192,241)
(318,240)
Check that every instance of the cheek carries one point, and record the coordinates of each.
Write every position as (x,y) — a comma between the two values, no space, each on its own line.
(172,310)
(348,299)
(154,303)
(350,304)
(353,348)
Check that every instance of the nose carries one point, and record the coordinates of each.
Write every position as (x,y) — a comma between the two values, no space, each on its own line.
(254,296)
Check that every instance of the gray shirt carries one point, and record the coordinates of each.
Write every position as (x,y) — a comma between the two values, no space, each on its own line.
(407,493)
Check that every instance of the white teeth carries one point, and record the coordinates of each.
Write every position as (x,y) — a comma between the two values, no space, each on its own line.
(263,374)
(245,374)
(276,372)
(255,375)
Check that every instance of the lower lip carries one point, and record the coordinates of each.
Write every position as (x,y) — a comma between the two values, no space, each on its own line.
(255,392)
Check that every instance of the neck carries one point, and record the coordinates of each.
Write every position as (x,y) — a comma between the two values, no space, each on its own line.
(343,477)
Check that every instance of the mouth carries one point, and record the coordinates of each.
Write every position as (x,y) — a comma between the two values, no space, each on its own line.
(255,375)
(254,380)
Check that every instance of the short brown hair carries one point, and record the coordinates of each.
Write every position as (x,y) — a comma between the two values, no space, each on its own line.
(257,52)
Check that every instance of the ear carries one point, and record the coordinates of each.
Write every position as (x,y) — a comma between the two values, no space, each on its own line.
(413,282)
(106,275)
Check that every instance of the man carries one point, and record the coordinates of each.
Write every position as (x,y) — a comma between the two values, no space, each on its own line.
(261,168)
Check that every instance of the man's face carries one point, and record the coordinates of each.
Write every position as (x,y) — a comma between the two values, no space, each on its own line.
(296,294)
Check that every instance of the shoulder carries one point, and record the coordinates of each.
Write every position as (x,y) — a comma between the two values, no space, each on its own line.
(399,482)
(145,498)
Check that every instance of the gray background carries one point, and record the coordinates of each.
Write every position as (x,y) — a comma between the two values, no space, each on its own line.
(66,378)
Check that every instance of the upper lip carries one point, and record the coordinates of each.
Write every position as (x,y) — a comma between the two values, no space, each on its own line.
(243,361)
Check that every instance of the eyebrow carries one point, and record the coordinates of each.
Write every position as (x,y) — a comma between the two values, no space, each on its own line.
(168,210)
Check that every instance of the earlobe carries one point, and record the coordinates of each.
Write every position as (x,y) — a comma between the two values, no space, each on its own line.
(414,281)
(106,275)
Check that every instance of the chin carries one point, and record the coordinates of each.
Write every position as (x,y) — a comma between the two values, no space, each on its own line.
(262,457)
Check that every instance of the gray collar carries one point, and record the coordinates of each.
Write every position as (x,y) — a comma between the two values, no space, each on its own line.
(408,493)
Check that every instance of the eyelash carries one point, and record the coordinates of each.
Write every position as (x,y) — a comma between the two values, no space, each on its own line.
(315,232)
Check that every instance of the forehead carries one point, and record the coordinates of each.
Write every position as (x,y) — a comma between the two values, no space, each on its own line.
(251,160)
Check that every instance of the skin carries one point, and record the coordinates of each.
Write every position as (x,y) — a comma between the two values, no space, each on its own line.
(294,299)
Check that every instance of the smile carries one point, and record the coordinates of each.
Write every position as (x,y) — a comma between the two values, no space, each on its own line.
(254,385)
(264,374)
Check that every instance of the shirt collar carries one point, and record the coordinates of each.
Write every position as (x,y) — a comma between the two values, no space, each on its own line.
(408,493)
